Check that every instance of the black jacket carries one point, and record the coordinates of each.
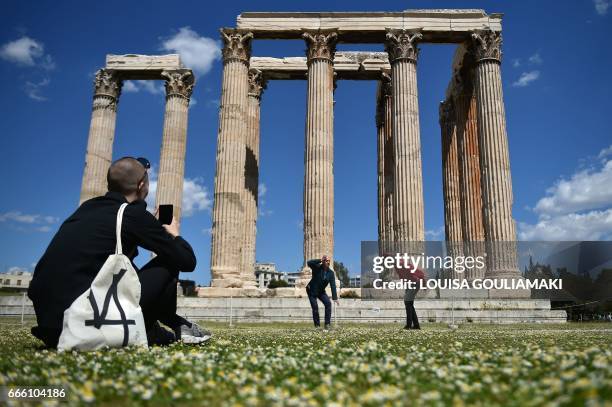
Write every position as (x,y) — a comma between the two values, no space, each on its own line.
(320,279)
(82,244)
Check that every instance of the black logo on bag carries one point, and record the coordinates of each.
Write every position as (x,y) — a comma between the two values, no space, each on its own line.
(100,319)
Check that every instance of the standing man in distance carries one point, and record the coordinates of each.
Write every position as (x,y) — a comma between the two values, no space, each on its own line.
(322,275)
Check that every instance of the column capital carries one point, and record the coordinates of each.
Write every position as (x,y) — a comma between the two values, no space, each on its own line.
(321,44)
(402,44)
(236,45)
(107,83)
(257,83)
(486,45)
(179,83)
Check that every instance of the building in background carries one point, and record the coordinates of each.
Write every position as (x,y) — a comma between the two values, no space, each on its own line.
(15,280)
(266,272)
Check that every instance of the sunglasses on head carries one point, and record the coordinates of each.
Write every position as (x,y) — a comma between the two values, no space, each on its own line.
(146,164)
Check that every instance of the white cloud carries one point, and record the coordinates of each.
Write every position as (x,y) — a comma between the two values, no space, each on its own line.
(197,52)
(601,6)
(129,87)
(196,196)
(34,89)
(207,231)
(20,217)
(586,189)
(192,102)
(152,87)
(516,62)
(27,51)
(536,59)
(435,234)
(17,269)
(578,208)
(526,78)
(593,225)
(605,152)
(262,189)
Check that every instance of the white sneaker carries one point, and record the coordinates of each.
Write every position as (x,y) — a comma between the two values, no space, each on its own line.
(193,335)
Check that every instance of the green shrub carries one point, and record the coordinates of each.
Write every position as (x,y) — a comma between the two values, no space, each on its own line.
(277,284)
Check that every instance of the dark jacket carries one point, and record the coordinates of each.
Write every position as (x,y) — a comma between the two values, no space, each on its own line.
(320,279)
(83,243)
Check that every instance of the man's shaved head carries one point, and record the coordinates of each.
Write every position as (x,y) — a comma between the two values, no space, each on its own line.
(125,174)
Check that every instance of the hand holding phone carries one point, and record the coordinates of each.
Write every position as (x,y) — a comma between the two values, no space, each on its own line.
(165,213)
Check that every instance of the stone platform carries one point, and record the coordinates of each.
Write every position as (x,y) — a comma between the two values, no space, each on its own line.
(291,309)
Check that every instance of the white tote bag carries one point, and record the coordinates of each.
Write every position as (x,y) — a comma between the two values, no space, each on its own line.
(108,314)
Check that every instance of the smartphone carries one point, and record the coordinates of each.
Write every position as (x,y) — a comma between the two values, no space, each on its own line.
(165,214)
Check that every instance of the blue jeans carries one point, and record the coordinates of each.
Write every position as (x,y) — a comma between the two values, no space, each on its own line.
(315,307)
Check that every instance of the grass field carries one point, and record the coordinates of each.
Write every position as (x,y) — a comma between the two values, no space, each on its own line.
(293,364)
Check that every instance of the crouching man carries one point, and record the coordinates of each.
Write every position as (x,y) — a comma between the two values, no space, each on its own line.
(85,240)
(322,275)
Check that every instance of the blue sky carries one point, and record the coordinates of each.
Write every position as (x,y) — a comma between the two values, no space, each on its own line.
(557,89)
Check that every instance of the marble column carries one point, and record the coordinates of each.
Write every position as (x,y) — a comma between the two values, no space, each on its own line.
(450,182)
(469,172)
(385,163)
(319,148)
(229,208)
(389,163)
(495,175)
(251,174)
(99,155)
(408,178)
(179,86)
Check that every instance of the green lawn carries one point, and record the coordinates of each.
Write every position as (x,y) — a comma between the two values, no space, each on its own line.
(353,365)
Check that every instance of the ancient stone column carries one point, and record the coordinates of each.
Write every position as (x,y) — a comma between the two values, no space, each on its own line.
(99,155)
(228,209)
(385,164)
(389,163)
(179,86)
(450,182)
(251,173)
(319,148)
(408,178)
(495,175)
(469,172)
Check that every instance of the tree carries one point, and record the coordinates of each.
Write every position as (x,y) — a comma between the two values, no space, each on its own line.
(342,273)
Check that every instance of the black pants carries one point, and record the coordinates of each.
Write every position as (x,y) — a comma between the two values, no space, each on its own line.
(157,299)
(412,321)
(315,307)
(158,282)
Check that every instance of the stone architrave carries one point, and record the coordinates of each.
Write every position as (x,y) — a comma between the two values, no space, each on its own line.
(179,86)
(99,155)
(229,207)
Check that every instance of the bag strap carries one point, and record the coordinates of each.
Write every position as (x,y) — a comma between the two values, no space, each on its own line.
(118,248)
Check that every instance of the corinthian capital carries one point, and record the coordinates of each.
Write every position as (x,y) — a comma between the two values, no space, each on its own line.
(321,45)
(107,83)
(257,83)
(486,44)
(402,44)
(236,45)
(179,83)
